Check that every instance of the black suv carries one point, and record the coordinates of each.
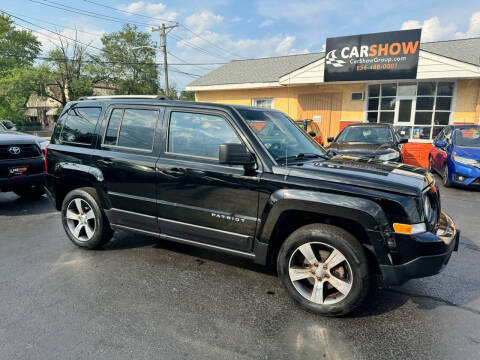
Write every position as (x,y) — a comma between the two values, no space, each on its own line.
(21,163)
(248,182)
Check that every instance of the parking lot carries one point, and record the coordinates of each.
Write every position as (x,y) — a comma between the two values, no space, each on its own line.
(145,298)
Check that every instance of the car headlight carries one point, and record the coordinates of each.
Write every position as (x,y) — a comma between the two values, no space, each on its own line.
(389,156)
(463,160)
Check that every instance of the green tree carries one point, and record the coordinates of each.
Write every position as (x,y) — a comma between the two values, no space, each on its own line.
(127,60)
(18,50)
(65,76)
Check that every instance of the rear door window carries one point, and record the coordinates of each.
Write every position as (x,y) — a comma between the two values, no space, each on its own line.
(131,128)
(80,125)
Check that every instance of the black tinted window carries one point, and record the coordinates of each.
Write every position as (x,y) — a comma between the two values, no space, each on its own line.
(80,125)
(113,126)
(199,134)
(132,128)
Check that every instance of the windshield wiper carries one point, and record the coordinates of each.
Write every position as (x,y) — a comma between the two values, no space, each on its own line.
(302,156)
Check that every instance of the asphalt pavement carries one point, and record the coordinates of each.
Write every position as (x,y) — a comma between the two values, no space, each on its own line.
(143,298)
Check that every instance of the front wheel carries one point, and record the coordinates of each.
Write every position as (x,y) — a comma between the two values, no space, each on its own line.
(446,176)
(324,269)
(83,219)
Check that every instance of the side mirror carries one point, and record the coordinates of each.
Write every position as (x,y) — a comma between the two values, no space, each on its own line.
(330,139)
(235,154)
(440,144)
(8,124)
(312,133)
(403,141)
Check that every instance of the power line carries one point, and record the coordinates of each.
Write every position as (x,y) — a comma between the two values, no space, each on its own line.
(46,58)
(118,20)
(62,26)
(127,12)
(212,43)
(87,13)
(163,20)
(54,24)
(51,31)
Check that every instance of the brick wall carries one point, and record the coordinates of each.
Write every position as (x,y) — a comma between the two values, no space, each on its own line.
(416,154)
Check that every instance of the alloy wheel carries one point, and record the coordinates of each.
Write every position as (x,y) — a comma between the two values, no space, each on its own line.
(80,219)
(320,273)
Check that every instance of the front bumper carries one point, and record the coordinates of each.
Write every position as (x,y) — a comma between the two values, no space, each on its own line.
(34,174)
(434,250)
(465,174)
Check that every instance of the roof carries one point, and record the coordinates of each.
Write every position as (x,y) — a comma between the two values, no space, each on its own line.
(464,50)
(271,69)
(256,70)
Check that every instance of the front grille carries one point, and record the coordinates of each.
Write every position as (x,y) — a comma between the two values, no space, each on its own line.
(26,151)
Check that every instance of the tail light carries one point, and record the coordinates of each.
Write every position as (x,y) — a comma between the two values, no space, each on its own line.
(45,157)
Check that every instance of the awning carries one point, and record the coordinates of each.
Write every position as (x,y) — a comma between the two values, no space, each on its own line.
(53,112)
(31,112)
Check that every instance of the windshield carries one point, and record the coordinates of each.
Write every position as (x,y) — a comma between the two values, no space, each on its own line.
(365,134)
(467,137)
(282,138)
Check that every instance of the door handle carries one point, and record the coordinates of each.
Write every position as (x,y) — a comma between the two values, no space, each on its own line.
(105,162)
(174,172)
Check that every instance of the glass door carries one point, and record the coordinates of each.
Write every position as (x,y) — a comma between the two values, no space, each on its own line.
(404,115)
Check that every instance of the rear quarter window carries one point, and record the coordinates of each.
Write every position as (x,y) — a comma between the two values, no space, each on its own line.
(79,125)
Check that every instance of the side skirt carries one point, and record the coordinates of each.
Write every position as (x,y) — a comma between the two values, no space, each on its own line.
(248,255)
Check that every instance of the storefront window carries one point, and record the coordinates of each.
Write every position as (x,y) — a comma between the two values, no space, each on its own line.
(419,110)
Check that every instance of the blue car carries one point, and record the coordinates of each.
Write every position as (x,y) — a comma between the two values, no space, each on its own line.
(455,155)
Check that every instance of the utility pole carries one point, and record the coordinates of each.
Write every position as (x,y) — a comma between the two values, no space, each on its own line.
(163,31)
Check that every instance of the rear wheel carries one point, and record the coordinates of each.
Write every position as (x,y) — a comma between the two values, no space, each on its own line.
(324,269)
(83,219)
(446,176)
(30,191)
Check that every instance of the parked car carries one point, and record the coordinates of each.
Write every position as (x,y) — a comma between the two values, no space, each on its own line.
(455,155)
(312,128)
(247,182)
(9,125)
(374,141)
(22,163)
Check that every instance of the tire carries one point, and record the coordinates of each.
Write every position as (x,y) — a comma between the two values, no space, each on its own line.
(83,219)
(34,191)
(323,240)
(445,176)
(430,167)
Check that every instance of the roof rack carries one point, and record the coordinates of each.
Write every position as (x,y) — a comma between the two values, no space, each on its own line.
(157,97)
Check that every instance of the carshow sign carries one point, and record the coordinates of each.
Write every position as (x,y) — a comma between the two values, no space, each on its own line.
(379,56)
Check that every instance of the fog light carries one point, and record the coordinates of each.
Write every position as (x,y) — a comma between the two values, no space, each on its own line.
(391,242)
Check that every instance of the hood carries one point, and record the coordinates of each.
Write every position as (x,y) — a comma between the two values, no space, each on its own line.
(368,173)
(361,149)
(15,137)
(468,152)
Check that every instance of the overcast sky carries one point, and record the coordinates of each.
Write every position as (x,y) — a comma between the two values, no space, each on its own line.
(222,30)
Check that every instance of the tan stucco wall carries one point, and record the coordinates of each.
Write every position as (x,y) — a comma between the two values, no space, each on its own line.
(467,106)
(285,98)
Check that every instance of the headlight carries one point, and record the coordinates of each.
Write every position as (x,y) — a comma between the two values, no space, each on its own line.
(389,156)
(463,160)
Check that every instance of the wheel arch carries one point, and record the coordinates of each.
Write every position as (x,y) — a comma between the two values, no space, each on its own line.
(289,210)
(74,176)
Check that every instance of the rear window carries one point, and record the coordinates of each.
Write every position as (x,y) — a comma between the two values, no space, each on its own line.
(79,125)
